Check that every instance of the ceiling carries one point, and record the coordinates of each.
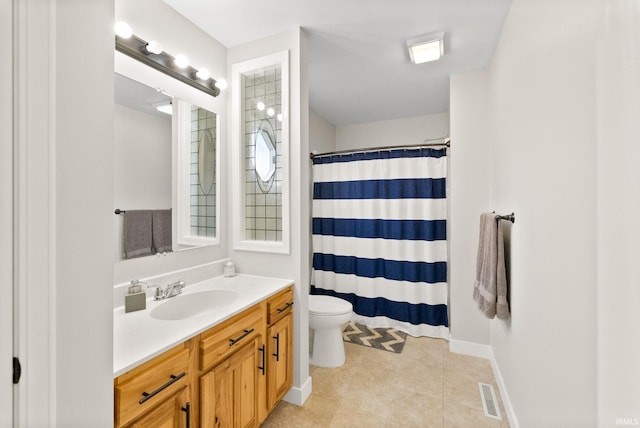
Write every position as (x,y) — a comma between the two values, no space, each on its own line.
(359,67)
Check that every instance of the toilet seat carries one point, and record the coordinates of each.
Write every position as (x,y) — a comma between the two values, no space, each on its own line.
(328,305)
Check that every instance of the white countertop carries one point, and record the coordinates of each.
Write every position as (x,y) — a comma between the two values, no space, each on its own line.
(137,337)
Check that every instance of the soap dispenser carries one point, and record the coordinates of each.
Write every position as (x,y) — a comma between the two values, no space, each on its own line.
(229,269)
(136,298)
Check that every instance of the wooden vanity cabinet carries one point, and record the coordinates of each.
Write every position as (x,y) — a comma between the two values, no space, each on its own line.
(230,366)
(174,412)
(157,391)
(231,375)
(279,347)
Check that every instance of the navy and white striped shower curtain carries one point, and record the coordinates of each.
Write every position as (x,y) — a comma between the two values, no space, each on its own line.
(379,237)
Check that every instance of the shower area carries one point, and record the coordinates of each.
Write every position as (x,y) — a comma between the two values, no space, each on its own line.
(379,236)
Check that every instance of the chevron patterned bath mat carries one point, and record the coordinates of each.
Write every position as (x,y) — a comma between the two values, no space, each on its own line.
(388,339)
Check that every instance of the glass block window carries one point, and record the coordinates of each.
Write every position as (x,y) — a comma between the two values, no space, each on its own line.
(262,102)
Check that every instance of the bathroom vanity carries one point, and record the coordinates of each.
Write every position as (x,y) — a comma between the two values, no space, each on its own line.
(222,367)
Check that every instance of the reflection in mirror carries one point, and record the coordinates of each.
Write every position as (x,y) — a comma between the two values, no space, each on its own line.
(165,160)
(142,154)
(197,175)
(203,172)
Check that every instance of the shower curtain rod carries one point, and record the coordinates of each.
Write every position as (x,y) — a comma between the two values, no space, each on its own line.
(425,143)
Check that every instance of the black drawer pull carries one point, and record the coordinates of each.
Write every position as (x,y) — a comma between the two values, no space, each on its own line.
(148,395)
(277,354)
(239,338)
(285,307)
(262,350)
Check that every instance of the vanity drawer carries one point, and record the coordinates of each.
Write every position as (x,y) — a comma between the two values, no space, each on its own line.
(279,305)
(223,340)
(149,384)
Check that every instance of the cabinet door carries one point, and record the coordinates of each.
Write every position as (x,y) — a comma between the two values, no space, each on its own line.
(174,412)
(280,361)
(228,391)
(246,387)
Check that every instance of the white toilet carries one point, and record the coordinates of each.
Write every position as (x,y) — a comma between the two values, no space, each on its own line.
(326,316)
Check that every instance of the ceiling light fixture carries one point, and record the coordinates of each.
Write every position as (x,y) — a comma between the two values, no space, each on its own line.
(426,48)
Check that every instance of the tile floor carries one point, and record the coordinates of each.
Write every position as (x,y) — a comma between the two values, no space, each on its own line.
(424,386)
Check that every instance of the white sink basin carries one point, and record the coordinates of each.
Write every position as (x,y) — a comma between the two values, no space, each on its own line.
(192,305)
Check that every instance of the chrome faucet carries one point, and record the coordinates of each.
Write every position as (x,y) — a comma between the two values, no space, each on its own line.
(170,290)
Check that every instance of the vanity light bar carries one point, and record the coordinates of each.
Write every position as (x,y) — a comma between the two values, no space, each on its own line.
(136,48)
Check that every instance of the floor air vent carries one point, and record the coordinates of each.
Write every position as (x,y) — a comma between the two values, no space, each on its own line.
(489,401)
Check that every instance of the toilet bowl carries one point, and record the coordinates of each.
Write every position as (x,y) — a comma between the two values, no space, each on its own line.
(326,316)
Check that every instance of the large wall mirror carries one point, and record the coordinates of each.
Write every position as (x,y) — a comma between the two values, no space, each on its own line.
(166,159)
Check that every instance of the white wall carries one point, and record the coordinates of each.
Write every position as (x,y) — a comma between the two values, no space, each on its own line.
(154,19)
(542,97)
(470,184)
(6,212)
(617,154)
(322,134)
(394,132)
(542,147)
(296,264)
(142,164)
(82,111)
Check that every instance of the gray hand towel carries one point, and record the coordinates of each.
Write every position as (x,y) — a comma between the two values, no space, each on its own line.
(502,304)
(136,229)
(490,287)
(162,231)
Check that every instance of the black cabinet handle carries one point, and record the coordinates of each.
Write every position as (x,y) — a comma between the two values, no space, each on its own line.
(262,350)
(285,307)
(187,410)
(277,354)
(239,338)
(148,395)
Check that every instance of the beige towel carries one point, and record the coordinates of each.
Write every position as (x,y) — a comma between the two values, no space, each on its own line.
(490,287)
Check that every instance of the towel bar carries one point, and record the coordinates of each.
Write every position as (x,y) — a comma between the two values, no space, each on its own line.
(511,217)
(119,211)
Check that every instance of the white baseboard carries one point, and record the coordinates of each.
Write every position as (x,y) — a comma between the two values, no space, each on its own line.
(470,348)
(485,351)
(506,401)
(298,396)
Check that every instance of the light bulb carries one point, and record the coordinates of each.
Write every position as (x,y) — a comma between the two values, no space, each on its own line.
(221,84)
(260,105)
(154,47)
(279,116)
(122,29)
(270,111)
(181,61)
(203,74)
